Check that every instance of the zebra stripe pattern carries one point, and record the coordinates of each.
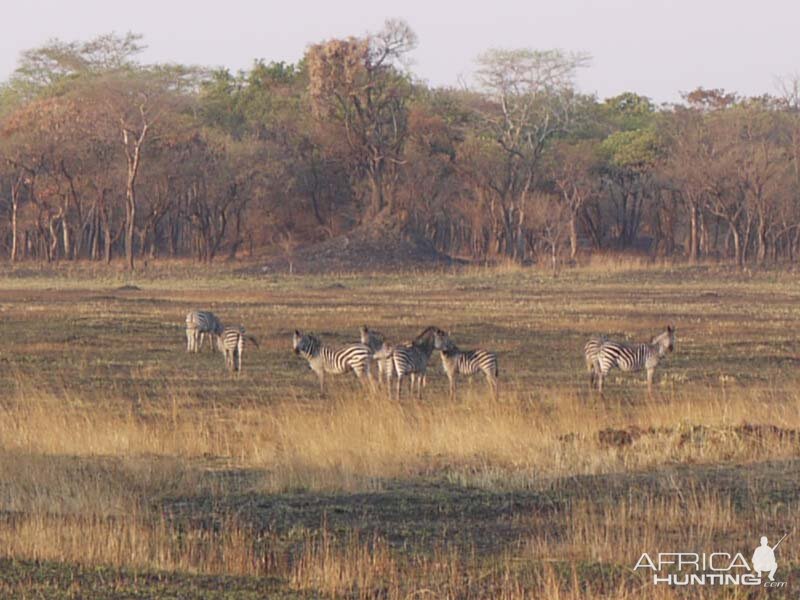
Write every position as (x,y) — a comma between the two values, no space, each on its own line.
(633,357)
(323,359)
(198,324)
(466,362)
(231,344)
(411,359)
(381,353)
(590,352)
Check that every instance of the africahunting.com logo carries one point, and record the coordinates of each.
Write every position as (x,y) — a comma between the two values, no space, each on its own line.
(714,568)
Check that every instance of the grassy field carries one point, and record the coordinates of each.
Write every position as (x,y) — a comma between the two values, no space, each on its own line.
(129,468)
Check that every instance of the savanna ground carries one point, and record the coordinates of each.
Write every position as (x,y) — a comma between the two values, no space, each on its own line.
(131,469)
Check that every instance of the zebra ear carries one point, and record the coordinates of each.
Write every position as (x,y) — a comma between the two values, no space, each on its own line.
(296,332)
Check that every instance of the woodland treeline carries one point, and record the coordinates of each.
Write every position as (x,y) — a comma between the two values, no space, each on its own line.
(103,157)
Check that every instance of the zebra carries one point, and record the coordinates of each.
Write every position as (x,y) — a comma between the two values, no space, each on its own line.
(590,351)
(381,352)
(411,358)
(198,324)
(356,357)
(633,357)
(466,362)
(231,344)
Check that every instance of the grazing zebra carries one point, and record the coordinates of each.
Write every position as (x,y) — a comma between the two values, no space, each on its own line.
(411,358)
(590,351)
(231,344)
(633,357)
(198,324)
(354,357)
(466,362)
(381,353)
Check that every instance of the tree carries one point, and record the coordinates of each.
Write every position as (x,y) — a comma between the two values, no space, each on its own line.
(631,152)
(356,85)
(532,100)
(573,168)
(133,102)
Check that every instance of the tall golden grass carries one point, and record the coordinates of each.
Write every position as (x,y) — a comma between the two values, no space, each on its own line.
(351,440)
(80,476)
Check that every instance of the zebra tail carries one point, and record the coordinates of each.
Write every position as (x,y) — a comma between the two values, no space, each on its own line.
(254,340)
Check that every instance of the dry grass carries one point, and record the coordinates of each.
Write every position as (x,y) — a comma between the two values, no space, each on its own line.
(117,450)
(353,439)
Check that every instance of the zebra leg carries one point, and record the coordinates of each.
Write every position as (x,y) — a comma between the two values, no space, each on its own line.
(188,340)
(452,387)
(370,380)
(321,377)
(399,381)
(492,381)
(239,353)
(650,373)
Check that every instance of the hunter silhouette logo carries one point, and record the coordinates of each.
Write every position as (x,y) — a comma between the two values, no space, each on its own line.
(764,557)
(714,568)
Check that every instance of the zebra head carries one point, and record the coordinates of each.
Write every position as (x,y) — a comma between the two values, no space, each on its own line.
(371,338)
(442,341)
(425,341)
(665,341)
(305,344)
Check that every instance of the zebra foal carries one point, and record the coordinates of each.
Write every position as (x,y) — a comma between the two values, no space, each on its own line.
(198,324)
(323,359)
(231,344)
(466,362)
(629,357)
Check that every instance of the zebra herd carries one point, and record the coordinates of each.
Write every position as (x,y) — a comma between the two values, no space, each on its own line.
(409,360)
(404,360)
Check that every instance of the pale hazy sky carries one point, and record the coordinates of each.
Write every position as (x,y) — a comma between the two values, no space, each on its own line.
(654,47)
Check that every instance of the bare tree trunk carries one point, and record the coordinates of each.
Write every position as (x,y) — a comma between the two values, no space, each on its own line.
(14,206)
(573,235)
(761,253)
(738,251)
(694,233)
(133,150)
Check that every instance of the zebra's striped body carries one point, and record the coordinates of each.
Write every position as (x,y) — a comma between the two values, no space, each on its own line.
(200,323)
(411,359)
(466,362)
(322,359)
(590,352)
(381,353)
(231,344)
(633,357)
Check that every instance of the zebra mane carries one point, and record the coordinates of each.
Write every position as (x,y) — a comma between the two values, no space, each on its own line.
(366,331)
(426,333)
(664,340)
